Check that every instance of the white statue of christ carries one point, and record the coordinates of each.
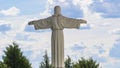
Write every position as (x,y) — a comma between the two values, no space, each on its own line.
(57,23)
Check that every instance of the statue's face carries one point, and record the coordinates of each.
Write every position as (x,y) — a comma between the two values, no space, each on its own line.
(57,10)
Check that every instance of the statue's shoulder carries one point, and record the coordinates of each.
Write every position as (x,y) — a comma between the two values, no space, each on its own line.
(49,17)
(63,17)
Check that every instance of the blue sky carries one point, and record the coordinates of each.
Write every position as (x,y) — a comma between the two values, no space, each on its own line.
(99,38)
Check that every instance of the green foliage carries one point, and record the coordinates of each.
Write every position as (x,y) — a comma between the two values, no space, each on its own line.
(82,63)
(2,65)
(14,58)
(45,63)
(86,63)
(68,63)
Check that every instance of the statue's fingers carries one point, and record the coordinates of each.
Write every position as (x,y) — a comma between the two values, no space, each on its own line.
(83,21)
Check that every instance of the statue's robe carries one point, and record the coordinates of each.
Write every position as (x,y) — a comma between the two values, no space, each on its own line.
(57,24)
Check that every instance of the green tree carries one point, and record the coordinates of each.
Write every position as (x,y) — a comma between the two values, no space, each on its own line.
(2,65)
(14,58)
(86,63)
(68,63)
(46,62)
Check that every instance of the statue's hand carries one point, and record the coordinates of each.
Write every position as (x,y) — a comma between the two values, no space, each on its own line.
(31,23)
(83,21)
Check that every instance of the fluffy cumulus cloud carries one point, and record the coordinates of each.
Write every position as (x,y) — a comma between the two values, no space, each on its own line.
(85,26)
(115,50)
(78,47)
(29,28)
(116,31)
(97,41)
(68,8)
(13,11)
(108,8)
(5,27)
(88,51)
(94,39)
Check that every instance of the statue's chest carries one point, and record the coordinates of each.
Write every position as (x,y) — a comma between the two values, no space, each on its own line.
(56,22)
(56,19)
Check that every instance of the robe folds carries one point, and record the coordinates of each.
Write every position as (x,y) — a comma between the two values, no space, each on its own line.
(57,24)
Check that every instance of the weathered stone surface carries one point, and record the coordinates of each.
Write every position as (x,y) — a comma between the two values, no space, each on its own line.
(57,23)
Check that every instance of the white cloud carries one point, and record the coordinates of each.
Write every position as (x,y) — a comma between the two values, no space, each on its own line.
(61,0)
(13,11)
(109,9)
(115,50)
(106,24)
(99,34)
(87,12)
(116,31)
(4,22)
(44,14)
(40,41)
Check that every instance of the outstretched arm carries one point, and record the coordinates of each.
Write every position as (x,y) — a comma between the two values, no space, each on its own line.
(40,24)
(73,23)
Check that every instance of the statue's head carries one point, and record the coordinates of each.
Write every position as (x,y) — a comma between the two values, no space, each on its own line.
(57,10)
